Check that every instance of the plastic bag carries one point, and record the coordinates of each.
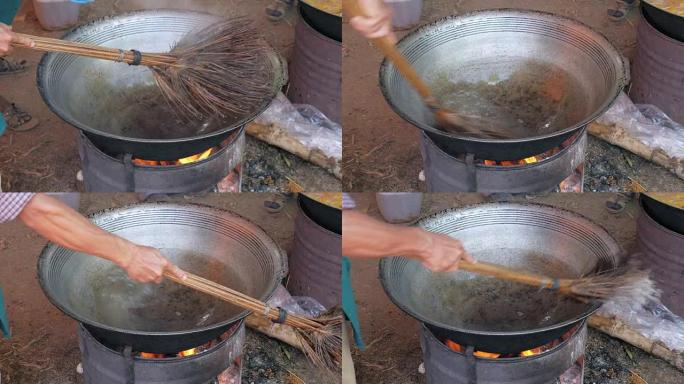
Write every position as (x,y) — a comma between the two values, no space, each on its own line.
(652,320)
(309,125)
(648,124)
(298,305)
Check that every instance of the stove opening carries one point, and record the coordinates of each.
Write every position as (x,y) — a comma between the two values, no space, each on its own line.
(456,347)
(188,352)
(185,160)
(533,159)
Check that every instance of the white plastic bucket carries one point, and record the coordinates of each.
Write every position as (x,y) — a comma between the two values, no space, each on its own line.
(407,13)
(54,15)
(399,207)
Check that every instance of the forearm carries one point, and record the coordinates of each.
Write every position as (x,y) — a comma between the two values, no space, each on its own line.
(366,237)
(60,224)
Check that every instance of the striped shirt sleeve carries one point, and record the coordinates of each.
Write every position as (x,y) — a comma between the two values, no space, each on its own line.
(11,205)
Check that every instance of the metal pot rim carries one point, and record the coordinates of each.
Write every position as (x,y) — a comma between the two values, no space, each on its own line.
(654,223)
(315,224)
(204,207)
(279,80)
(660,9)
(595,305)
(622,81)
(657,33)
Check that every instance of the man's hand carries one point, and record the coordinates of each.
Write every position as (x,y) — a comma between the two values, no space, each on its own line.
(440,253)
(366,237)
(377,21)
(147,265)
(7,37)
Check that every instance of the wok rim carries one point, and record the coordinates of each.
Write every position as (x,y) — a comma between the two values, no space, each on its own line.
(622,81)
(45,253)
(645,19)
(648,3)
(652,220)
(595,305)
(41,74)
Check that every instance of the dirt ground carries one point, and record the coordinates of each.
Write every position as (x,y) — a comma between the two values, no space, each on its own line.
(46,158)
(44,346)
(381,149)
(393,351)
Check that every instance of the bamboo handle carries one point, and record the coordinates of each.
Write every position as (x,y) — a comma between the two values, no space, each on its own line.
(241,300)
(387,47)
(504,273)
(46,44)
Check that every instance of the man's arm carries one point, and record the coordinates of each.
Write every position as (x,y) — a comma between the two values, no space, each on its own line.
(60,224)
(366,237)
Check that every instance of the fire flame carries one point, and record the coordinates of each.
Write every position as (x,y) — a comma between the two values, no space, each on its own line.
(198,157)
(490,355)
(183,161)
(531,352)
(189,352)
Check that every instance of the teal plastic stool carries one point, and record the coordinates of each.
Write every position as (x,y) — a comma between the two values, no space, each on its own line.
(8,10)
(349,303)
(3,125)
(4,322)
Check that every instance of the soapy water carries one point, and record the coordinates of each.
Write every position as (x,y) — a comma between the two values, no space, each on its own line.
(475,302)
(141,112)
(538,97)
(113,299)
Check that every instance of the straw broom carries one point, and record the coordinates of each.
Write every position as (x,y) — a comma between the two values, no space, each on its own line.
(626,283)
(223,69)
(320,337)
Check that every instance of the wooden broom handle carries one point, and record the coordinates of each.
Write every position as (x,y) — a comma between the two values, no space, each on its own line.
(503,273)
(387,47)
(46,44)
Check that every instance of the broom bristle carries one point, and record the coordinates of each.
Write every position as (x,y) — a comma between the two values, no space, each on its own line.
(221,70)
(628,283)
(324,347)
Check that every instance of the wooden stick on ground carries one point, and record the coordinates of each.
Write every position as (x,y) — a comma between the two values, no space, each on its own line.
(279,137)
(281,332)
(622,331)
(620,137)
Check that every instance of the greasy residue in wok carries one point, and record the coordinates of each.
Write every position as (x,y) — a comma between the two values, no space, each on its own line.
(474,302)
(539,97)
(141,112)
(113,299)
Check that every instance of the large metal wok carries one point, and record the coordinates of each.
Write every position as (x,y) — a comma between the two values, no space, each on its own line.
(118,106)
(165,318)
(490,314)
(552,74)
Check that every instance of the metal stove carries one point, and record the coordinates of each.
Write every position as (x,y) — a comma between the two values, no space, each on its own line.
(219,364)
(105,172)
(448,172)
(562,364)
